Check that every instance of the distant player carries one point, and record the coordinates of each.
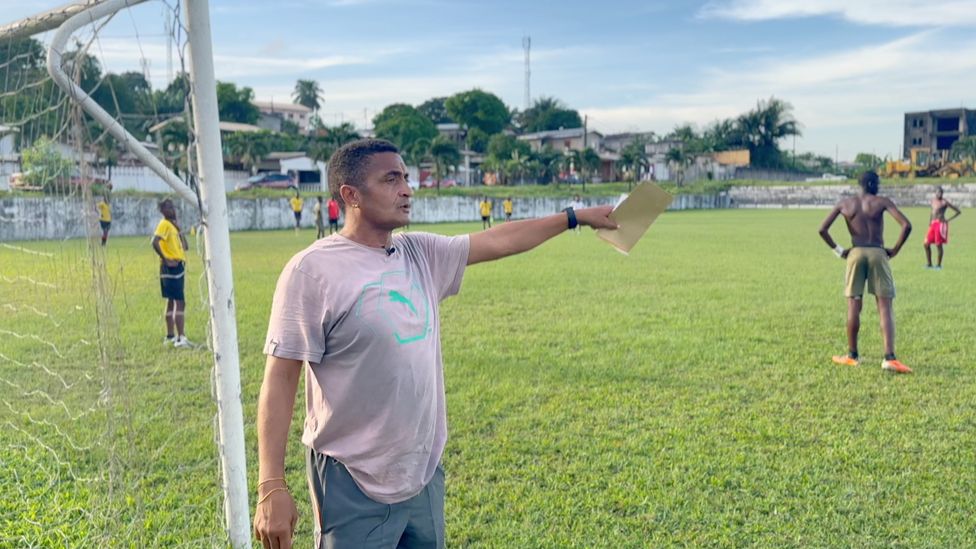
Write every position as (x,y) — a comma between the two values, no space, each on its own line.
(170,245)
(507,206)
(333,207)
(867,263)
(296,207)
(319,224)
(485,207)
(104,217)
(938,228)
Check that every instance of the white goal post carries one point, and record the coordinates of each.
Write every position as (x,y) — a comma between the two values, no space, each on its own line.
(213,203)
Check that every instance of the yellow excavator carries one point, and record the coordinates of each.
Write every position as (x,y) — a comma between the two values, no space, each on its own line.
(923,162)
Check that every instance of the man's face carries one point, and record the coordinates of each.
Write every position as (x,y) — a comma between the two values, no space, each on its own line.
(168,210)
(938,194)
(385,201)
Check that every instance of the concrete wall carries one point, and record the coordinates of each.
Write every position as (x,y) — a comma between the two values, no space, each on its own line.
(37,218)
(806,196)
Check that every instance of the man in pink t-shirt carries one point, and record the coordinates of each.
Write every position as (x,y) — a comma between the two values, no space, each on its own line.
(358,312)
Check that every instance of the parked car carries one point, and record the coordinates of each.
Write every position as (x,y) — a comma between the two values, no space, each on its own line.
(268,180)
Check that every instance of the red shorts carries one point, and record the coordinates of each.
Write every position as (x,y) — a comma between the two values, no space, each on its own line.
(938,233)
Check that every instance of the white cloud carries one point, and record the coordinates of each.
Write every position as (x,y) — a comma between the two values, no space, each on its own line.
(869,12)
(856,97)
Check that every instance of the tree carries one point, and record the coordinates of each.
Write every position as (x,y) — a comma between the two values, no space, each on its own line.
(323,146)
(722,135)
(404,126)
(965,149)
(504,148)
(435,110)
(445,155)
(634,159)
(867,161)
(678,160)
(173,99)
(477,140)
(590,164)
(479,109)
(308,93)
(548,113)
(763,127)
(547,162)
(236,105)
(249,148)
(44,166)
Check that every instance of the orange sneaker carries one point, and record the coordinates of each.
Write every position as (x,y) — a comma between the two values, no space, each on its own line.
(845,360)
(895,366)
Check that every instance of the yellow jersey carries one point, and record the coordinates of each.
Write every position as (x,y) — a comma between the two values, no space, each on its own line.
(508,206)
(169,241)
(296,203)
(485,208)
(104,212)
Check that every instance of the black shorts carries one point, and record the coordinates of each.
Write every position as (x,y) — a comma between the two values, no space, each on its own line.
(171,281)
(334,223)
(484,218)
(298,216)
(106,225)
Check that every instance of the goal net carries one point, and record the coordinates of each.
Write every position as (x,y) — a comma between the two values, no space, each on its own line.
(109,435)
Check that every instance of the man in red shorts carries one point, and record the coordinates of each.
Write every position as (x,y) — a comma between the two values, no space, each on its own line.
(938,228)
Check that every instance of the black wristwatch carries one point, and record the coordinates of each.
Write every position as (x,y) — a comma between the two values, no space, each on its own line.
(572,217)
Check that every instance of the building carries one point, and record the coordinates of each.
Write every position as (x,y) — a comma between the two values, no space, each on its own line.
(936,131)
(287,112)
(562,140)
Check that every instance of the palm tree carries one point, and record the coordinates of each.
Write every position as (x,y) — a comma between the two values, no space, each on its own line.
(634,159)
(249,148)
(763,127)
(321,148)
(308,93)
(590,164)
(445,155)
(679,159)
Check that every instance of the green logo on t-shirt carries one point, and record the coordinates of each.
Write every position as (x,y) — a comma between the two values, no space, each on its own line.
(395,305)
(397,297)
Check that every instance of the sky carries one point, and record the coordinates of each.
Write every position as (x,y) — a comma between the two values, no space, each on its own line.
(850,69)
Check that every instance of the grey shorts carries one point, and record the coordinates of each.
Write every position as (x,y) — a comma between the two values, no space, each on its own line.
(345,517)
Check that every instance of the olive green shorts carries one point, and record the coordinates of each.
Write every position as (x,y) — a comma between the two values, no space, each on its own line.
(870,266)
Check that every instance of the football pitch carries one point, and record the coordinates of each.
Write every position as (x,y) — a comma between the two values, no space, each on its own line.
(680,396)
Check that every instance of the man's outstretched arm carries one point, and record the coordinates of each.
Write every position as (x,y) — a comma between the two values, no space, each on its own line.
(521,236)
(275,514)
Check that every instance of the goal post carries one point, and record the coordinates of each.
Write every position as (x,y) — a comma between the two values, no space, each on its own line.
(212,203)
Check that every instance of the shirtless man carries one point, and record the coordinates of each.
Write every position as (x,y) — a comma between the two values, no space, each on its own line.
(867,263)
(938,228)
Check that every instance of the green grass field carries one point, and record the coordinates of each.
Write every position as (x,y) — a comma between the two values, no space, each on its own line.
(681,396)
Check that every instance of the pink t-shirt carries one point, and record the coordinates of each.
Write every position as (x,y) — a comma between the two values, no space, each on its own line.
(367,324)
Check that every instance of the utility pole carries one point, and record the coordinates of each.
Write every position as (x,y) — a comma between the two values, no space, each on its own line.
(527,47)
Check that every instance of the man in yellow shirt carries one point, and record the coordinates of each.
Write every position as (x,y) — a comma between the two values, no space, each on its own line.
(170,245)
(485,213)
(507,206)
(104,217)
(296,208)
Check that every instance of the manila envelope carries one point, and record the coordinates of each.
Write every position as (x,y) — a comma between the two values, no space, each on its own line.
(635,215)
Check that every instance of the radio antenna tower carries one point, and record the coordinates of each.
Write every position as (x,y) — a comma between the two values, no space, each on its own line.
(527,46)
